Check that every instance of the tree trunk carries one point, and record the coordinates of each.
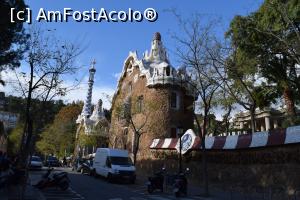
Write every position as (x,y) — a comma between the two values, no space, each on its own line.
(226,118)
(289,102)
(136,147)
(202,133)
(252,115)
(204,163)
(26,137)
(204,168)
(27,132)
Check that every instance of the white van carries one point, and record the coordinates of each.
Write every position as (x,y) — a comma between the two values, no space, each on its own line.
(114,164)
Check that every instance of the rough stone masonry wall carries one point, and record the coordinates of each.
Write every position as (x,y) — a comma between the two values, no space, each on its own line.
(161,117)
(158,119)
(264,167)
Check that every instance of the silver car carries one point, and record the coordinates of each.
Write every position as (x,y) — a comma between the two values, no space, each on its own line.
(36,162)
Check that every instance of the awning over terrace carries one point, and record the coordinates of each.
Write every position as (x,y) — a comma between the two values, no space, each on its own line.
(277,137)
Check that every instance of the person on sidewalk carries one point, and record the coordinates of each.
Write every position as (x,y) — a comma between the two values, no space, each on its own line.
(64,162)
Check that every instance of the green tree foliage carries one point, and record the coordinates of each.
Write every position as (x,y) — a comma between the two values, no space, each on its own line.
(242,81)
(18,104)
(95,140)
(269,40)
(60,135)
(14,139)
(12,35)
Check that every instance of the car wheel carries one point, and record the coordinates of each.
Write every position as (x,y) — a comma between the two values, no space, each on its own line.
(150,189)
(109,178)
(93,173)
(64,185)
(132,181)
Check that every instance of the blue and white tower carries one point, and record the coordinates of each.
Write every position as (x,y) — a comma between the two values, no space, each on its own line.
(87,108)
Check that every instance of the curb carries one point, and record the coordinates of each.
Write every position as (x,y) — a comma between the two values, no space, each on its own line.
(38,193)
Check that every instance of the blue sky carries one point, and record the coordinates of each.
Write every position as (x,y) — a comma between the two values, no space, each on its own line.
(110,43)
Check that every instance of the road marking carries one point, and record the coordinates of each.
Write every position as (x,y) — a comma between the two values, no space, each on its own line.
(55,194)
(158,198)
(141,190)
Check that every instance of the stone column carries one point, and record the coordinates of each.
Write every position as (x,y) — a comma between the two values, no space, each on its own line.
(275,123)
(241,125)
(267,122)
(262,128)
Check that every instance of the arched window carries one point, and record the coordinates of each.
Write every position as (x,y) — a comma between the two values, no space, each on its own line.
(173,100)
(168,71)
(140,102)
(130,87)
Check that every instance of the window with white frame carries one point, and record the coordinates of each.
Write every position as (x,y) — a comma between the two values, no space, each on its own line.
(174,100)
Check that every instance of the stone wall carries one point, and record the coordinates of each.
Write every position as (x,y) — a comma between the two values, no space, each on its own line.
(263,167)
(161,117)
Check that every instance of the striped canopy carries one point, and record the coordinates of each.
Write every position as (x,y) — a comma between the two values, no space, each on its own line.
(276,137)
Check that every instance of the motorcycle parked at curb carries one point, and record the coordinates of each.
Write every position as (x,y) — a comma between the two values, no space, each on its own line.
(156,182)
(180,185)
(59,179)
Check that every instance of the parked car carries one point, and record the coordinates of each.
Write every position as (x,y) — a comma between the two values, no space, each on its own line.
(52,162)
(35,162)
(114,164)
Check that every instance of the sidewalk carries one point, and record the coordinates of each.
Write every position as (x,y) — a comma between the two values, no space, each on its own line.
(13,192)
(195,190)
(217,193)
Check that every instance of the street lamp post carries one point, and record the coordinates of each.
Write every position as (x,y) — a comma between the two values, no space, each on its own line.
(180,132)
(180,157)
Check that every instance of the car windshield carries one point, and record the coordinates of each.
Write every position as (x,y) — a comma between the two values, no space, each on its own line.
(36,159)
(52,158)
(120,160)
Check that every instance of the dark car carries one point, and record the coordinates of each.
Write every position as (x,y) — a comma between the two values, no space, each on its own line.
(52,162)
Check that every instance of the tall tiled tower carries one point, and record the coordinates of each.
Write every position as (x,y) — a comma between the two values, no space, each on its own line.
(91,123)
(87,108)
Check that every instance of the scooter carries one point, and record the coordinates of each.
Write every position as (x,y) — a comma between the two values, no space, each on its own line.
(59,179)
(156,182)
(180,185)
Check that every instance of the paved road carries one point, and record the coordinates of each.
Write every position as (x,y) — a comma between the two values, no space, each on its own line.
(91,188)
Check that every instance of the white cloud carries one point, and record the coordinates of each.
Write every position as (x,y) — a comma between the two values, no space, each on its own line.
(99,92)
(117,75)
(11,84)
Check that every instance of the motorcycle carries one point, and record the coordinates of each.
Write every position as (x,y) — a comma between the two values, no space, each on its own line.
(180,185)
(59,179)
(85,167)
(156,182)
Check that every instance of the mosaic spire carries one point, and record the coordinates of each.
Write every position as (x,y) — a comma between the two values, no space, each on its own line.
(158,52)
(87,108)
